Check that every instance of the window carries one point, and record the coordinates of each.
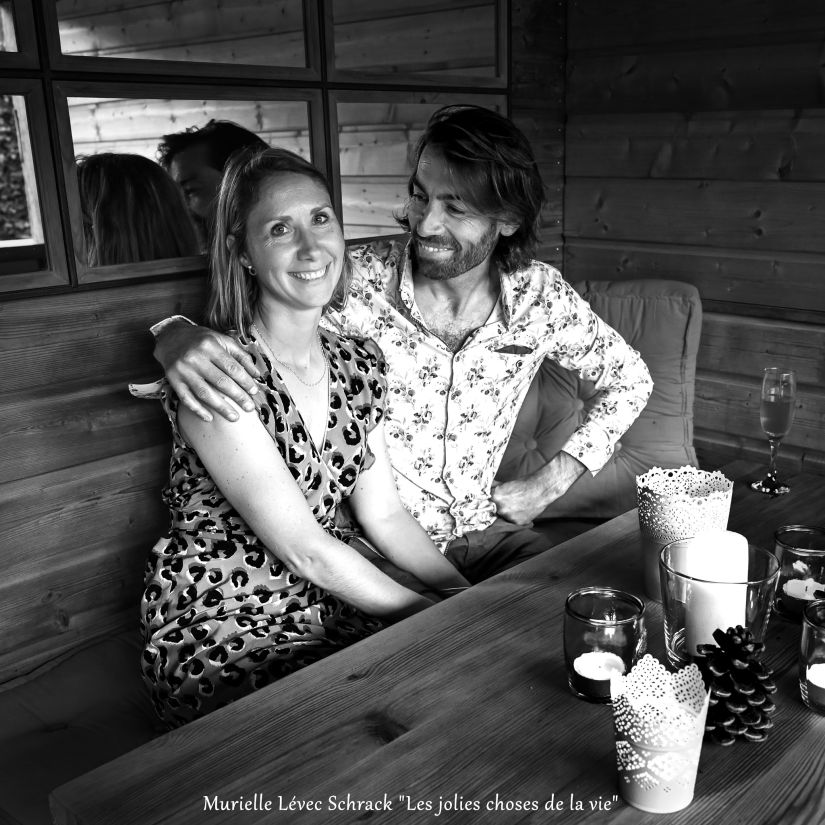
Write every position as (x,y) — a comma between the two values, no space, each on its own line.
(348,84)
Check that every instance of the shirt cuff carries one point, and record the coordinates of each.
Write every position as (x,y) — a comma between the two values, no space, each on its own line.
(591,446)
(160,325)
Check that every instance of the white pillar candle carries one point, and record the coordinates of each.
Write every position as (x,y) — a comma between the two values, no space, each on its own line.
(720,559)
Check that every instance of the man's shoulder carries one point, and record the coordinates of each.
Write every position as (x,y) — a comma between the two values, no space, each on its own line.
(536,278)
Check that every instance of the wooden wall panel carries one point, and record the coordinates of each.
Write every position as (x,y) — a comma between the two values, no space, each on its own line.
(693,151)
(779,284)
(716,77)
(751,216)
(763,145)
(75,542)
(538,48)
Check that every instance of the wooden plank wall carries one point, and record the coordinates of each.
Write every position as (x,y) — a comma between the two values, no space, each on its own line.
(84,463)
(694,151)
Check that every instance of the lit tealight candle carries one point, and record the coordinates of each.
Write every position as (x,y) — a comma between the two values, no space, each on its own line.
(798,591)
(594,670)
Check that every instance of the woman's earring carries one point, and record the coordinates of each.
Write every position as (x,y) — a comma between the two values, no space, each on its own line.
(251,271)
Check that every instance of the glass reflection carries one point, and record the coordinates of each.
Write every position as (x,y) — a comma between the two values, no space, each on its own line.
(457,38)
(185,141)
(256,32)
(376,143)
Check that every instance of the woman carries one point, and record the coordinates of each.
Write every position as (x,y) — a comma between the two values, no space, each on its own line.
(132,211)
(254,581)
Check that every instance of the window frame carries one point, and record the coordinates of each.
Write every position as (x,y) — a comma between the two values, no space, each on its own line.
(56,273)
(499,82)
(183,68)
(64,89)
(26,56)
(49,78)
(397,96)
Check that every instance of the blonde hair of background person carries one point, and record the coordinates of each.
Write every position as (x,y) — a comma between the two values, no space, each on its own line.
(132,211)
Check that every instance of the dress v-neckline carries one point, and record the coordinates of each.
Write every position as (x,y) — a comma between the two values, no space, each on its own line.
(331,377)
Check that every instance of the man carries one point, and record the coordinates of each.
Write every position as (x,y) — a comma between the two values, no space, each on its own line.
(195,159)
(464,317)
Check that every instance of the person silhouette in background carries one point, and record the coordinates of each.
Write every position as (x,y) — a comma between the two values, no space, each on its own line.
(195,159)
(132,211)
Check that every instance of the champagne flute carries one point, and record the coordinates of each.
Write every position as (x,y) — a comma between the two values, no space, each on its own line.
(776,416)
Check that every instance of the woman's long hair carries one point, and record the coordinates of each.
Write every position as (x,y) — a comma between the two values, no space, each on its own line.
(233,293)
(132,211)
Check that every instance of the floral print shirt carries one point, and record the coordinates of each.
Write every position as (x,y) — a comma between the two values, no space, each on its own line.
(449,415)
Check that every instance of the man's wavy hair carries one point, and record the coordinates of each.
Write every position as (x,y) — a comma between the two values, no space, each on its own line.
(493,165)
(233,293)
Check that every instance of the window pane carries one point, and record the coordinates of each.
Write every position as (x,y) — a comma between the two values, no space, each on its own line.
(376,143)
(257,32)
(138,126)
(8,41)
(398,37)
(21,229)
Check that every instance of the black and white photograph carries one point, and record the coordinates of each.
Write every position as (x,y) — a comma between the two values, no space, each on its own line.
(412,412)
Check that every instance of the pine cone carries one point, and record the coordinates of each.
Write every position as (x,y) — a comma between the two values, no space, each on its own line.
(740,687)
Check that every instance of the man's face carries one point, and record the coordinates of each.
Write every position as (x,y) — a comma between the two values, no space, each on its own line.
(448,237)
(200,183)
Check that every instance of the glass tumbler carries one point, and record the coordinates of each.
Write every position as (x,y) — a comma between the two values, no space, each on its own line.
(812,656)
(695,607)
(800,550)
(604,635)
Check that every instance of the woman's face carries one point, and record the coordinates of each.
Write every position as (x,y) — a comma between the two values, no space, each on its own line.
(294,242)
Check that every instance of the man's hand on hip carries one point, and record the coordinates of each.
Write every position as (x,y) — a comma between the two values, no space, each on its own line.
(524,499)
(205,368)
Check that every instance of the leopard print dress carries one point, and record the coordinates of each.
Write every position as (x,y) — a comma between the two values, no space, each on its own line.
(221,615)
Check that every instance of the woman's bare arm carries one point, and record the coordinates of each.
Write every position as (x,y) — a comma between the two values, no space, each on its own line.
(245,463)
(396,534)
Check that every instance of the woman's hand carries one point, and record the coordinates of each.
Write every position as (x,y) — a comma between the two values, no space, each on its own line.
(205,368)
(396,534)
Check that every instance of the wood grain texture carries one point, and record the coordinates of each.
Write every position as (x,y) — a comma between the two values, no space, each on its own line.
(88,335)
(701,76)
(753,216)
(751,282)
(483,709)
(749,145)
(643,23)
(75,542)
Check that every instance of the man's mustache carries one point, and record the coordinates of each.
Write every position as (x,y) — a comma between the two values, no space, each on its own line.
(436,240)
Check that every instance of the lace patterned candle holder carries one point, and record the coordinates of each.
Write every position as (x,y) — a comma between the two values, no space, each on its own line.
(604,634)
(812,656)
(801,553)
(677,504)
(659,721)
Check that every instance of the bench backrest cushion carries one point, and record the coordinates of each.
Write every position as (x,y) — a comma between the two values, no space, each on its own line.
(663,321)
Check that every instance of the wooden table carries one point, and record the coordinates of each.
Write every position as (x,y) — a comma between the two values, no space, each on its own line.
(467,704)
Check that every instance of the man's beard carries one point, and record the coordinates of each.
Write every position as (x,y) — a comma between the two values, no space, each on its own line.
(460,263)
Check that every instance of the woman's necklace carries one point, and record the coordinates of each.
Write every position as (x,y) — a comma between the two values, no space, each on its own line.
(324,372)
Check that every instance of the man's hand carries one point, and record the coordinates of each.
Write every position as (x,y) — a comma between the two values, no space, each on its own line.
(204,368)
(523,500)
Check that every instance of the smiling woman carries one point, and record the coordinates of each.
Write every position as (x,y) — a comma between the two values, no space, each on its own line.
(238,594)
